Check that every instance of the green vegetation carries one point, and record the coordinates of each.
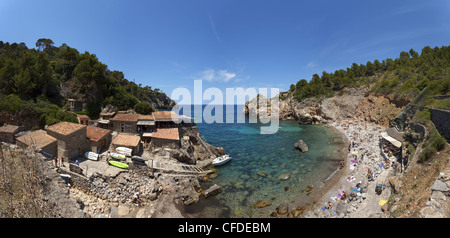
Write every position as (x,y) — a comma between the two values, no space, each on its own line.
(422,80)
(404,77)
(433,143)
(47,112)
(41,80)
(143,108)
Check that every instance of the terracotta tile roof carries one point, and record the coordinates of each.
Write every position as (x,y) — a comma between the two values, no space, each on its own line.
(39,138)
(65,128)
(83,116)
(9,129)
(127,140)
(126,117)
(96,133)
(166,133)
(164,115)
(146,117)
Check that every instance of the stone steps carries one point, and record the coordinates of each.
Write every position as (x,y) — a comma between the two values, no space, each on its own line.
(178,168)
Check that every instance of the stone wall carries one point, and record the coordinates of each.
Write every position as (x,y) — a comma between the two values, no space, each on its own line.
(128,127)
(73,145)
(441,119)
(163,143)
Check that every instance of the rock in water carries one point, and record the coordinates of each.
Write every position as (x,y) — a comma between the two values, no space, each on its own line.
(213,190)
(284,177)
(300,145)
(262,204)
(283,208)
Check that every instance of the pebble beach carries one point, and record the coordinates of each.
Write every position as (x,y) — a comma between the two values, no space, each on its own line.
(364,155)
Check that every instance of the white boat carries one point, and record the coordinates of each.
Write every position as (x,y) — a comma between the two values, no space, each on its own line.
(91,155)
(124,150)
(221,160)
(65,176)
(117,156)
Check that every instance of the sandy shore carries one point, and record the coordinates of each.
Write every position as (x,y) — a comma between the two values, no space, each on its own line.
(365,203)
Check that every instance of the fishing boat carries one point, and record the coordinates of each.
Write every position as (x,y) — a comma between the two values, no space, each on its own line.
(117,156)
(118,164)
(91,155)
(124,150)
(221,160)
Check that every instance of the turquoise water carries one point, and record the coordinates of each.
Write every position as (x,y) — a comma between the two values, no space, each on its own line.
(259,160)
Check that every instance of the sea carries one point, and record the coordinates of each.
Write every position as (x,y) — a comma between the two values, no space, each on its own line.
(264,167)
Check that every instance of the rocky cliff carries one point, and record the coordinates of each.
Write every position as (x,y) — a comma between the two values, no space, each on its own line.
(352,103)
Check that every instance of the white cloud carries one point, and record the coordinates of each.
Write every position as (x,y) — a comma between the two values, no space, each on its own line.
(311,64)
(216,75)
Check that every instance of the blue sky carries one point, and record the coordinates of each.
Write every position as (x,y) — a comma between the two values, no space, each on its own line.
(168,44)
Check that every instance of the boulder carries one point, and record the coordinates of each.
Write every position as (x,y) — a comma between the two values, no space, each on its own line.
(300,145)
(262,173)
(298,211)
(183,156)
(439,186)
(341,207)
(123,210)
(213,190)
(284,177)
(283,208)
(262,204)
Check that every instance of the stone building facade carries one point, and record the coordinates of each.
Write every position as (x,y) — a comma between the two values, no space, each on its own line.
(99,138)
(7,133)
(165,138)
(83,119)
(126,123)
(72,139)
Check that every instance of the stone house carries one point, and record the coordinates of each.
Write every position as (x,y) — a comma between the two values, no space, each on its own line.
(165,137)
(129,141)
(41,139)
(146,123)
(83,120)
(125,123)
(99,138)
(72,139)
(166,119)
(75,105)
(104,121)
(7,133)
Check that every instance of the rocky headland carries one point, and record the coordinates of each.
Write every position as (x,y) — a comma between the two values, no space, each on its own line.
(352,103)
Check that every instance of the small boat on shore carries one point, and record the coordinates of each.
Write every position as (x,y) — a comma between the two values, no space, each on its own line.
(118,164)
(117,156)
(91,155)
(124,150)
(221,160)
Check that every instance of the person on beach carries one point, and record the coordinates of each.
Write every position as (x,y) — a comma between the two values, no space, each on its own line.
(343,196)
(56,162)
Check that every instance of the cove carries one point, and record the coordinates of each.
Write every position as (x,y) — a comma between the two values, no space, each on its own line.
(266,167)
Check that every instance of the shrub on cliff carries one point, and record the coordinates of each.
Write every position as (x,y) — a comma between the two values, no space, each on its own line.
(143,108)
